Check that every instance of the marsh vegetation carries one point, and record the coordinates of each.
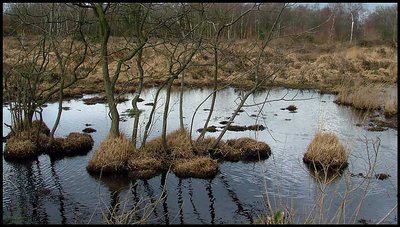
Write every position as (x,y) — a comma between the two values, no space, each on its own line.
(193,90)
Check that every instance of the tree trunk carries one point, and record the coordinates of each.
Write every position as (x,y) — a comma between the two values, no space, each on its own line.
(165,114)
(182,126)
(352,27)
(109,87)
(136,97)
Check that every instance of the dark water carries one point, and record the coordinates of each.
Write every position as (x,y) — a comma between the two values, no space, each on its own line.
(61,191)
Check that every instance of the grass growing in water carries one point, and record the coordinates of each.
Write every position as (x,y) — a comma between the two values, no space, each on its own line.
(366,97)
(199,167)
(18,147)
(325,151)
(111,156)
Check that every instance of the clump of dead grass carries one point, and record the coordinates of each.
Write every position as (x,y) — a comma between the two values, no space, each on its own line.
(41,126)
(111,156)
(179,143)
(76,143)
(18,147)
(325,151)
(199,167)
(246,149)
(143,166)
(391,104)
(366,97)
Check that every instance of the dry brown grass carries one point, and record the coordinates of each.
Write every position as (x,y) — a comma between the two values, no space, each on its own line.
(179,143)
(199,167)
(111,156)
(246,149)
(366,97)
(18,147)
(143,166)
(326,151)
(77,143)
(41,126)
(391,103)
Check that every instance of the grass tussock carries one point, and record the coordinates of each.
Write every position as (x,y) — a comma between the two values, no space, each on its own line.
(144,165)
(111,156)
(325,151)
(367,97)
(18,147)
(199,167)
(246,149)
(76,143)
(41,126)
(179,143)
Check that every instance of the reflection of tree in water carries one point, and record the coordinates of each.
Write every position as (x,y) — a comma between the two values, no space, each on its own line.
(180,201)
(115,185)
(60,195)
(212,199)
(150,194)
(324,176)
(240,209)
(165,196)
(191,201)
(29,185)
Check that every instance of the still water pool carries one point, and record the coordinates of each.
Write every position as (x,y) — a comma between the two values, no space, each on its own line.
(45,191)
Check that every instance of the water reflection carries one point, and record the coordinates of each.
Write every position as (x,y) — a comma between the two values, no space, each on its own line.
(190,189)
(62,192)
(240,209)
(212,199)
(164,195)
(180,200)
(324,176)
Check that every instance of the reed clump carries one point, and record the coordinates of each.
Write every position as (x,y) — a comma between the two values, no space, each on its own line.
(325,151)
(199,167)
(111,156)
